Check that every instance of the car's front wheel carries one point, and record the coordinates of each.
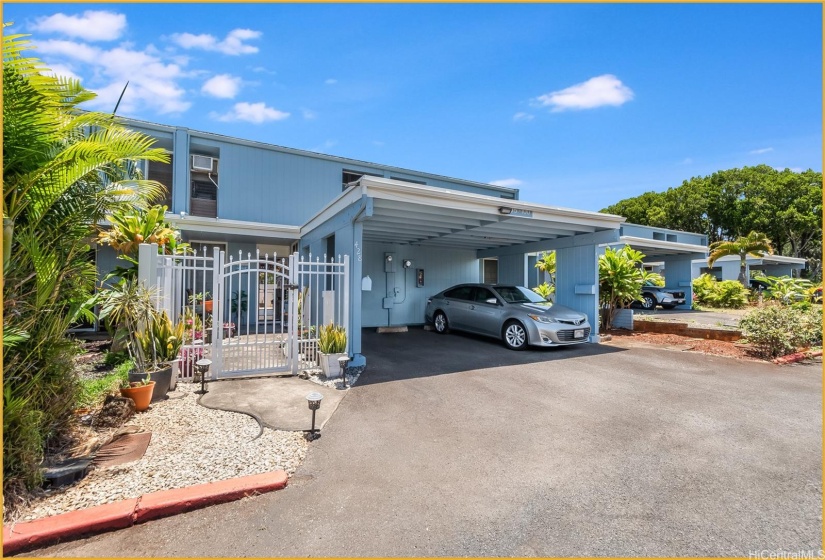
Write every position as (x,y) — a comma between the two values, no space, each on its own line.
(648,301)
(440,323)
(514,335)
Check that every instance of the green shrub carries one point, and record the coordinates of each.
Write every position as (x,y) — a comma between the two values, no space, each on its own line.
(112,359)
(93,391)
(777,330)
(727,293)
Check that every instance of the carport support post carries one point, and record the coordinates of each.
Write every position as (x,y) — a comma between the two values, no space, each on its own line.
(356,270)
(678,272)
(577,282)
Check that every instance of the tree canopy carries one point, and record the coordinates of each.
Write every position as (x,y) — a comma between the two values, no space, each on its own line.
(785,205)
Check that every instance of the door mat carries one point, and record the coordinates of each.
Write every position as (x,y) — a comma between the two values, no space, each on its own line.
(125,449)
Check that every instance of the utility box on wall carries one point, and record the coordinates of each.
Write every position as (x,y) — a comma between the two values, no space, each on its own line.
(387,303)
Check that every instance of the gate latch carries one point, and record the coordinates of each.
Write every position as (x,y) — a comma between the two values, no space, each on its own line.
(292,286)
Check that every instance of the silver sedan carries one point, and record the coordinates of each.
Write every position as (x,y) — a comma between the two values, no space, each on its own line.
(516,315)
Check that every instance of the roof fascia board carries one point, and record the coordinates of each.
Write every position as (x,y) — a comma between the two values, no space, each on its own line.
(238,227)
(596,238)
(460,200)
(657,244)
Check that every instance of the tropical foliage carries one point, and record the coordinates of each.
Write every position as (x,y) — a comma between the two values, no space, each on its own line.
(332,339)
(64,171)
(621,277)
(788,290)
(785,205)
(547,263)
(725,294)
(754,244)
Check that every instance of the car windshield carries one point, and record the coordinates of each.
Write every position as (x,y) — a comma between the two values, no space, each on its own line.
(519,294)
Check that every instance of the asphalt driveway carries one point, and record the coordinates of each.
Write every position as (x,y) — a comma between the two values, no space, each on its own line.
(453,446)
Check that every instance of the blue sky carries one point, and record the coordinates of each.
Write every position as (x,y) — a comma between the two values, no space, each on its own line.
(576,105)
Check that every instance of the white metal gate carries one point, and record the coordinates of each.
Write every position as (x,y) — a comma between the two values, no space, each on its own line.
(250,316)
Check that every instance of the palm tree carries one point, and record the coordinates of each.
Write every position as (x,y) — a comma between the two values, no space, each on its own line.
(64,171)
(755,244)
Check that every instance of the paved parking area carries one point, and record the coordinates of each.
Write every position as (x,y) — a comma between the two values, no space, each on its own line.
(727,318)
(453,446)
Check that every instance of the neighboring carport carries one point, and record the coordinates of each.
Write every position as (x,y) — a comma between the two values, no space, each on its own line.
(442,234)
(675,249)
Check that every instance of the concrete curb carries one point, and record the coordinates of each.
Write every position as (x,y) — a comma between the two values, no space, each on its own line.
(125,513)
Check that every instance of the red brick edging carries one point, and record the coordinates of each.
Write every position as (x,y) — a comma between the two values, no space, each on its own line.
(797,357)
(125,513)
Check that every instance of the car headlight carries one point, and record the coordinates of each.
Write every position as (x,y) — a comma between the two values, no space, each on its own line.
(542,319)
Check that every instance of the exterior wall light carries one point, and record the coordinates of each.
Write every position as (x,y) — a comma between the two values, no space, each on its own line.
(314,402)
(203,368)
(505,210)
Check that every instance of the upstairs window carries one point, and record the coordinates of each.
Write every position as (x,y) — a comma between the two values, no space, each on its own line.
(162,173)
(348,178)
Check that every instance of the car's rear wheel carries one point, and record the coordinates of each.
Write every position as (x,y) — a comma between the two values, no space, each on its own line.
(442,326)
(514,335)
(648,301)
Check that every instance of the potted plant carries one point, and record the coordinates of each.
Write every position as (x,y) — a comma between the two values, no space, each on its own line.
(161,343)
(201,301)
(332,344)
(139,391)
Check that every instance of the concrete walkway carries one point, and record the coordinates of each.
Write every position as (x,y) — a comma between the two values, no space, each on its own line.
(278,402)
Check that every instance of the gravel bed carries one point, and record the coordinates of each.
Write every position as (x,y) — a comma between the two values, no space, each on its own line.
(316,375)
(190,444)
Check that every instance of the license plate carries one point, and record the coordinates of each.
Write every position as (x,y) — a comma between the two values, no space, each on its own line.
(578,333)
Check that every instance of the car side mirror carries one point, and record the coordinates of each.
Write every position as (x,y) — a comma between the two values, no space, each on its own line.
(492,301)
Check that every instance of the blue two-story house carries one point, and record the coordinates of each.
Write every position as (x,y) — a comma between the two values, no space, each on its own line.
(247,197)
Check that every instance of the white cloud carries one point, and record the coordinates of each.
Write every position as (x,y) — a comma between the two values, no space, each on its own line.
(686,161)
(761,151)
(62,70)
(153,83)
(222,86)
(509,183)
(256,113)
(330,81)
(233,44)
(309,114)
(595,92)
(520,116)
(93,25)
(263,70)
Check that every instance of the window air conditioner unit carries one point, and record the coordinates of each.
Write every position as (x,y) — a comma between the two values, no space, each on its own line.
(202,163)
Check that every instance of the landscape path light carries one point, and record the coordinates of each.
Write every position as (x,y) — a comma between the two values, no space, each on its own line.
(203,368)
(314,402)
(343,361)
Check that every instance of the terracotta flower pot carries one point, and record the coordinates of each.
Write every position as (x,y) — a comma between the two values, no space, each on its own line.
(142,395)
(207,305)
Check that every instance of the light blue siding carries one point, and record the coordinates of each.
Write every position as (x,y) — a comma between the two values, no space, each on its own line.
(577,272)
(511,269)
(678,275)
(442,268)
(662,234)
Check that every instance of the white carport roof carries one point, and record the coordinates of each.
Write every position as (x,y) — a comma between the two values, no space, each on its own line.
(657,248)
(766,259)
(408,213)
